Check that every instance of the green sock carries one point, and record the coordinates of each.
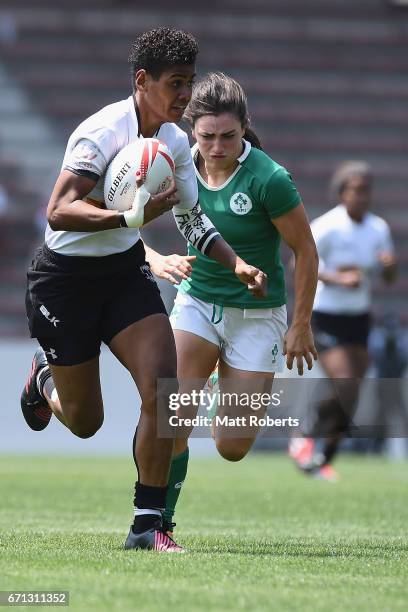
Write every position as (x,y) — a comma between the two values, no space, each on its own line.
(178,472)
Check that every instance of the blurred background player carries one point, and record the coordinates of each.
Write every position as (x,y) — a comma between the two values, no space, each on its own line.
(89,282)
(353,245)
(255,203)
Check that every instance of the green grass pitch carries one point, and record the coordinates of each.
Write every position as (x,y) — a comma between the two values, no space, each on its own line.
(260,535)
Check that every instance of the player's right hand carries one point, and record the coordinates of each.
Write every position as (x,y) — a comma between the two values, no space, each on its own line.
(147,207)
(173,268)
(255,279)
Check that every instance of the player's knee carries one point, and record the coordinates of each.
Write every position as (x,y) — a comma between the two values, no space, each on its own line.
(155,393)
(149,395)
(231,451)
(86,430)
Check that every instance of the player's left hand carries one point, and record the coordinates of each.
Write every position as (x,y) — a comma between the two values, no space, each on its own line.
(173,268)
(299,344)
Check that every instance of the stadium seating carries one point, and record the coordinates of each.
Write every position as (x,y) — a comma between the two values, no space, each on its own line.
(325,82)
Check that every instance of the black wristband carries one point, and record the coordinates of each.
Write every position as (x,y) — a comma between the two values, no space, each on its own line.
(122,220)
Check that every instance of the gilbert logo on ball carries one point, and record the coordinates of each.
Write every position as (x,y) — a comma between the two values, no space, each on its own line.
(146,159)
(240,203)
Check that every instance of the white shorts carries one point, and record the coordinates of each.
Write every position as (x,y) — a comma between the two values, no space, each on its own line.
(249,339)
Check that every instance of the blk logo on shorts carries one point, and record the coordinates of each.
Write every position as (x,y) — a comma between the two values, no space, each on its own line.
(47,315)
(240,203)
(145,269)
(274,352)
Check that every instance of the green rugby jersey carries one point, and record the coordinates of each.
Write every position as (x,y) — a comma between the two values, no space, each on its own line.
(241,209)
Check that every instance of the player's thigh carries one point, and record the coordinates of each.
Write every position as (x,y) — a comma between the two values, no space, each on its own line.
(198,350)
(251,354)
(147,350)
(196,356)
(344,361)
(136,328)
(253,339)
(345,366)
(244,399)
(79,393)
(196,335)
(197,344)
(342,343)
(359,358)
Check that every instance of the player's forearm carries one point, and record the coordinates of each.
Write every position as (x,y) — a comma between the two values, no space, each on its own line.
(223,253)
(389,273)
(202,235)
(306,268)
(80,216)
(152,256)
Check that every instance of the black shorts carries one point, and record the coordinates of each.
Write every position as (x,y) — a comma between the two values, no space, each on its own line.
(75,303)
(331,330)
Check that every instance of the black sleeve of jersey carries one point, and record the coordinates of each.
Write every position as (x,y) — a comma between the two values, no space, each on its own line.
(86,173)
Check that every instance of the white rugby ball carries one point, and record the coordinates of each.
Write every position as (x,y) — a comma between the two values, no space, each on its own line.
(147,159)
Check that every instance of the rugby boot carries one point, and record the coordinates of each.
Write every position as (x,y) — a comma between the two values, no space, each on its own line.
(35,408)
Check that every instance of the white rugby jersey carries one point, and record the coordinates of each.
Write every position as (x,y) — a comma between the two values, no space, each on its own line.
(342,242)
(91,148)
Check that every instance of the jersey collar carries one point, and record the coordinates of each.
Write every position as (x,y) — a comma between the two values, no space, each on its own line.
(245,152)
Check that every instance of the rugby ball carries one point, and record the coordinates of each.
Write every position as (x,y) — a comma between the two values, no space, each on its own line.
(147,159)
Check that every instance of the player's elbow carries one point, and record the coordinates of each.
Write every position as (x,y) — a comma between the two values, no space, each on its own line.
(54,216)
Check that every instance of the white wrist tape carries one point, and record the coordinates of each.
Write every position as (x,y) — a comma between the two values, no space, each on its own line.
(195,227)
(135,216)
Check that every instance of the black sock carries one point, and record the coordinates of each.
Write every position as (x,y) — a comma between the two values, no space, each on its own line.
(330,450)
(148,498)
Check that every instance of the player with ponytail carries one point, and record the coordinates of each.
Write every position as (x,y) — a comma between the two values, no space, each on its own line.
(253,202)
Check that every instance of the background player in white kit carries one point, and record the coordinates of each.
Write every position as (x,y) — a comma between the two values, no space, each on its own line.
(89,282)
(353,245)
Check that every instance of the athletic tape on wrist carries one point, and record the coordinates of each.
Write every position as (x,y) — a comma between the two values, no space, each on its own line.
(135,216)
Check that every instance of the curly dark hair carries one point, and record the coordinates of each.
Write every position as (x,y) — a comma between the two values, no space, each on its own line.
(159,49)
